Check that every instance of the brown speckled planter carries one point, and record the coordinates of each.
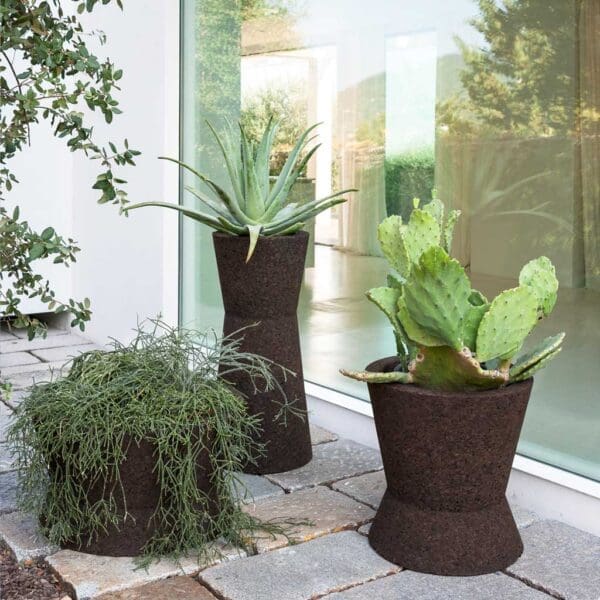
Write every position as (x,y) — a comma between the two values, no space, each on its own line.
(142,493)
(265,291)
(447,458)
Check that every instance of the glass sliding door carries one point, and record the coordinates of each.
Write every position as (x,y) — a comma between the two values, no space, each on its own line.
(495,105)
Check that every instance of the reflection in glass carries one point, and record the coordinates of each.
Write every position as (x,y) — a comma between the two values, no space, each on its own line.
(494,104)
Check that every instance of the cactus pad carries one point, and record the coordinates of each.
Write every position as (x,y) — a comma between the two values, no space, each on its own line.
(447,369)
(435,208)
(448,232)
(386,298)
(395,282)
(471,325)
(545,348)
(476,298)
(540,276)
(504,327)
(437,296)
(391,239)
(369,377)
(413,330)
(527,373)
(421,233)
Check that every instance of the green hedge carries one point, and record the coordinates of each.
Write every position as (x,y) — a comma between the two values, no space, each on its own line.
(407,176)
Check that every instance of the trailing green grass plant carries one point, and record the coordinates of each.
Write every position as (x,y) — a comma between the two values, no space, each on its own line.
(164,388)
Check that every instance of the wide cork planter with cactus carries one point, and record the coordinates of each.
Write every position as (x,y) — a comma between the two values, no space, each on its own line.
(449,406)
(261,280)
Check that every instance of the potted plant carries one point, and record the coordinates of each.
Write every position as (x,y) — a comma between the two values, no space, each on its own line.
(260,281)
(133,452)
(449,407)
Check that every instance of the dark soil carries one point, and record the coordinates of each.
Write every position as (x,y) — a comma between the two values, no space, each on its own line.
(32,580)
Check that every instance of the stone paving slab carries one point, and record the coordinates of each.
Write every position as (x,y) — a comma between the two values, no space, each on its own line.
(318,435)
(21,534)
(409,585)
(63,353)
(5,335)
(523,517)
(327,511)
(364,530)
(175,588)
(8,492)
(252,488)
(300,572)
(15,359)
(24,377)
(560,559)
(51,332)
(331,462)
(18,344)
(368,489)
(6,458)
(92,576)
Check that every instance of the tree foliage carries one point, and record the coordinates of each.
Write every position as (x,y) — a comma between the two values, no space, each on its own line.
(47,73)
(523,80)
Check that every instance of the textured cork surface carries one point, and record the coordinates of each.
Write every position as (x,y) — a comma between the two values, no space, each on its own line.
(447,459)
(262,296)
(142,493)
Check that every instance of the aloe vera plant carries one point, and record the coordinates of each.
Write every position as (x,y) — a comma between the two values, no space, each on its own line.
(449,336)
(255,206)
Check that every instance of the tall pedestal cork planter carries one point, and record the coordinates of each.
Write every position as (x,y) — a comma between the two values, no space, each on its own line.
(447,458)
(265,291)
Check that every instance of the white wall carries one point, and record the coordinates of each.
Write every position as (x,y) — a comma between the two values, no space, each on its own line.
(43,195)
(127,266)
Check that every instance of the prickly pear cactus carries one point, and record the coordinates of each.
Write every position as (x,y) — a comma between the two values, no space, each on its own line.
(503,329)
(449,336)
(540,277)
(437,296)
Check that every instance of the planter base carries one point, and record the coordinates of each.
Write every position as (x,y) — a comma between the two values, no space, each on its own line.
(446,542)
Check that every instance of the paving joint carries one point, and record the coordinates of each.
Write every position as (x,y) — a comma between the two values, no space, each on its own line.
(534,586)
(345,588)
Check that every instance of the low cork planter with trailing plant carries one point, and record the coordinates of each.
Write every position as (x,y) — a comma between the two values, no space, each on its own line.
(449,406)
(261,252)
(135,451)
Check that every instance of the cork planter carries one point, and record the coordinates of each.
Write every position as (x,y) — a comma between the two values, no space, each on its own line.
(262,296)
(447,458)
(142,494)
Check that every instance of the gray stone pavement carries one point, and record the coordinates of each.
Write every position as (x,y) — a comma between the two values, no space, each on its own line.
(337,492)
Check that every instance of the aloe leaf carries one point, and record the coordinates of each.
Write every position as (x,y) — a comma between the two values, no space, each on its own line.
(263,155)
(254,232)
(291,229)
(279,226)
(232,228)
(306,208)
(209,202)
(255,206)
(289,164)
(216,189)
(234,170)
(274,205)
(188,212)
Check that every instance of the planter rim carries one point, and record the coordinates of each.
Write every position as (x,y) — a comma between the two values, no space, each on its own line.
(222,234)
(387,364)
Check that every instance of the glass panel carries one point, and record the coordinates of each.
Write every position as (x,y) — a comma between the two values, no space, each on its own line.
(494,104)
